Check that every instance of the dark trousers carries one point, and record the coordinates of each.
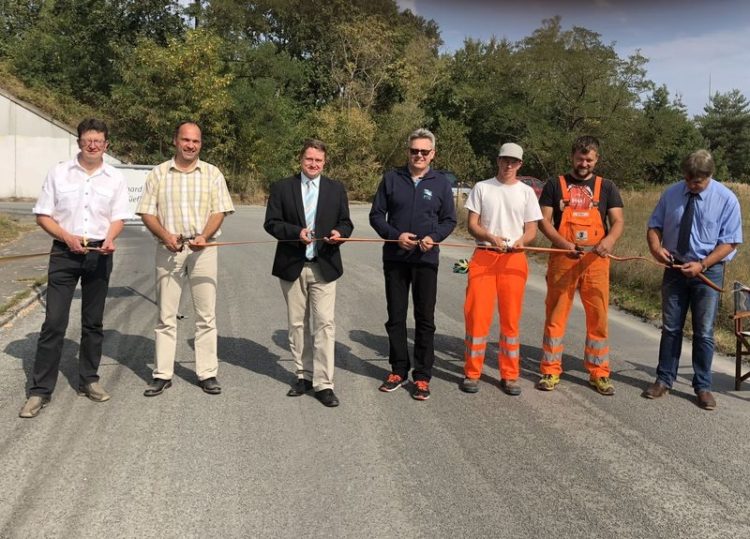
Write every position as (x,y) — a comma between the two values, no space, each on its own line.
(93,269)
(422,278)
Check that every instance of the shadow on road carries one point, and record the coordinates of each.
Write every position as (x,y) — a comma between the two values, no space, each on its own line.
(253,357)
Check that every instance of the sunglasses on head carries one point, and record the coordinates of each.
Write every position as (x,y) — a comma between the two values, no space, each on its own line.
(417,151)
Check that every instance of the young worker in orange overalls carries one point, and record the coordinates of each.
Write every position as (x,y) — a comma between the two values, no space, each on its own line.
(503,214)
(576,208)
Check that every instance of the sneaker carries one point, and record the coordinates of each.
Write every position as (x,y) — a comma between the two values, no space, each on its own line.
(548,382)
(421,390)
(469,385)
(603,385)
(392,383)
(510,387)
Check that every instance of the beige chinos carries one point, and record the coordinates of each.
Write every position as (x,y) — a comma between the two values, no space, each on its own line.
(200,269)
(312,333)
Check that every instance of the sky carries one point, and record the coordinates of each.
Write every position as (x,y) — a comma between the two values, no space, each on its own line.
(693,46)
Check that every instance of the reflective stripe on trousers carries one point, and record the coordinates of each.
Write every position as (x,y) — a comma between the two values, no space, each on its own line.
(590,275)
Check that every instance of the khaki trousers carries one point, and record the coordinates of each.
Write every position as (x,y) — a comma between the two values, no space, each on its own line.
(200,269)
(311,302)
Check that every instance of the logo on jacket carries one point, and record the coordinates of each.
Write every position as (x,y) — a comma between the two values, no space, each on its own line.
(427,194)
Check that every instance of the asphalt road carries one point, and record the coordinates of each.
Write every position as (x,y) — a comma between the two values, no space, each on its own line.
(255,463)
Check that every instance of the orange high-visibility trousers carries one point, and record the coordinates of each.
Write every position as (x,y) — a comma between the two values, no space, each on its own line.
(494,278)
(590,275)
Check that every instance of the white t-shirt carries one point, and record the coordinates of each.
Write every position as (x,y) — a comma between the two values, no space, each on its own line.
(504,209)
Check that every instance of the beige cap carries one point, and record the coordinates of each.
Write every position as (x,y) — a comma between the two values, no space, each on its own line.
(511,149)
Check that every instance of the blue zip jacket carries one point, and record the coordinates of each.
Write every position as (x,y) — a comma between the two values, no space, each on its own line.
(424,209)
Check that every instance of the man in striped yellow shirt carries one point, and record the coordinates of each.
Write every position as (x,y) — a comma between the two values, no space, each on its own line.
(185,199)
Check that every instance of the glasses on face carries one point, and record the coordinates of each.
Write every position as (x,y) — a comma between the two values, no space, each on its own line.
(510,161)
(418,151)
(86,142)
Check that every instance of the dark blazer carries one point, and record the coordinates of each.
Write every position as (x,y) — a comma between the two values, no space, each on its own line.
(285,219)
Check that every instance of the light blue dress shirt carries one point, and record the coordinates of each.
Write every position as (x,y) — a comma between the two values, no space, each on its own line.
(717,219)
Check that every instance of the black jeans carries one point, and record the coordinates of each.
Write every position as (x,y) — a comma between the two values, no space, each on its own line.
(422,278)
(93,269)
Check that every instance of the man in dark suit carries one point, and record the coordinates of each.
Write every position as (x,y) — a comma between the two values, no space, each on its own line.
(309,214)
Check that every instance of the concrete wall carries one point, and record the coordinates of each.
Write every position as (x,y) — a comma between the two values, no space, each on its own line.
(30,144)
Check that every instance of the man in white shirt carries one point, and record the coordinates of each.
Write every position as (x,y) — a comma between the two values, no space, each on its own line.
(503,215)
(82,206)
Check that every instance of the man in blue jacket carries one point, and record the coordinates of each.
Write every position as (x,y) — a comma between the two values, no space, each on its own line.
(413,208)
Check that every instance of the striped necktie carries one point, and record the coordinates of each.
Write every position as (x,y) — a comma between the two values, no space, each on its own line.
(310,215)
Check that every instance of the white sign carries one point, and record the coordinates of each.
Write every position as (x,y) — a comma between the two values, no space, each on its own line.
(136,178)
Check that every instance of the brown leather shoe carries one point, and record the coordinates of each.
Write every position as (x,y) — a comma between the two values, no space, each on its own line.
(706,400)
(33,406)
(94,391)
(656,390)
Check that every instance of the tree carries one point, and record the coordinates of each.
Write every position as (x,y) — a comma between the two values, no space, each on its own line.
(665,136)
(265,116)
(393,129)
(454,153)
(349,135)
(65,50)
(542,92)
(16,18)
(74,45)
(162,86)
(726,126)
(362,60)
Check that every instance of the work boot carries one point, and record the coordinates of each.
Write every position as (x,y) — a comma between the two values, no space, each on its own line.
(548,382)
(510,387)
(603,385)
(469,385)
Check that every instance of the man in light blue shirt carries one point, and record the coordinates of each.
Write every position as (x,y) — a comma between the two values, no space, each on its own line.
(695,228)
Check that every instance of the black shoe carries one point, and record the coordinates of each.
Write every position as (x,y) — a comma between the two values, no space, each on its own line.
(157,387)
(327,397)
(210,386)
(300,387)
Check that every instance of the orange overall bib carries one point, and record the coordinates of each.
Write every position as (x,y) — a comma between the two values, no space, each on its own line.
(581,224)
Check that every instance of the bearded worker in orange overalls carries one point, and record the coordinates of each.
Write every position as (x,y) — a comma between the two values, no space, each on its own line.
(583,212)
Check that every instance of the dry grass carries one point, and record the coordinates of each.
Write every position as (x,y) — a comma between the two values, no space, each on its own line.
(11,227)
(62,108)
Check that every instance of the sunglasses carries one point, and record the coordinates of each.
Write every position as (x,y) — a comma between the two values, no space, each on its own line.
(417,151)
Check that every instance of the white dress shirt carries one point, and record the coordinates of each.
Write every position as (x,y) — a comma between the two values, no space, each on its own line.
(84,204)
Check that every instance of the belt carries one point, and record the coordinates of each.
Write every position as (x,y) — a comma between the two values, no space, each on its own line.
(494,249)
(680,262)
(313,260)
(90,243)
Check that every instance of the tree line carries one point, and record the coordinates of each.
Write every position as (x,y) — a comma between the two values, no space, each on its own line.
(360,75)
